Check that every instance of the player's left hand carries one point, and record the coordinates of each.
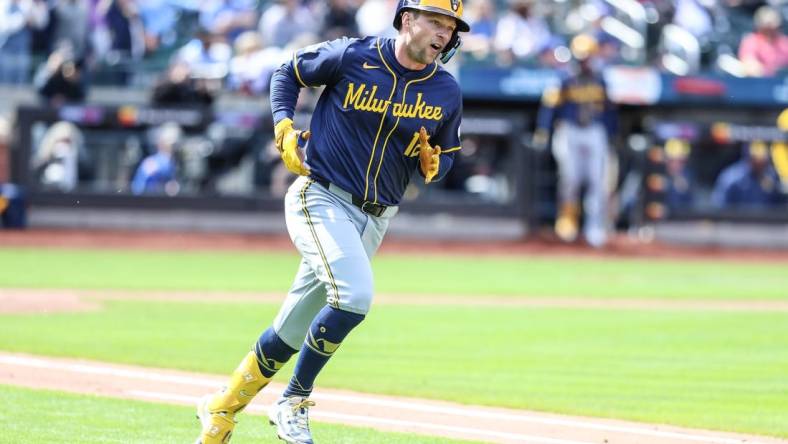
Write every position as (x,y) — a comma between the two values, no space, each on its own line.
(429,157)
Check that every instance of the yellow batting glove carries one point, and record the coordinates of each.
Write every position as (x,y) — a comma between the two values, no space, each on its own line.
(429,157)
(287,142)
(284,126)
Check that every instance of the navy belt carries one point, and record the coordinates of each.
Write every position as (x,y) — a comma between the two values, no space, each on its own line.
(366,206)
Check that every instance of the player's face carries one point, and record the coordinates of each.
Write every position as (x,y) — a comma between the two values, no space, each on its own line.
(427,35)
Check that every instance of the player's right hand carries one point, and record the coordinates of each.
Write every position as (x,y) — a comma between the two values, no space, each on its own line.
(289,142)
(539,141)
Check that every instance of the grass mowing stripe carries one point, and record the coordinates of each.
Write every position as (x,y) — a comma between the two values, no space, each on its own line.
(715,370)
(79,419)
(516,276)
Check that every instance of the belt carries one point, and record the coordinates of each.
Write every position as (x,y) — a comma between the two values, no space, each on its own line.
(366,206)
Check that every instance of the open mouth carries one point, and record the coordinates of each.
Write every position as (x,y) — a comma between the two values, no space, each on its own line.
(436,47)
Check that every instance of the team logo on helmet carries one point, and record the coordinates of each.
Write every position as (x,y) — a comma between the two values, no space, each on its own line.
(455,5)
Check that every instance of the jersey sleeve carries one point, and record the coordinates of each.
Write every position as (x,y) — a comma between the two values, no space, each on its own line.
(320,64)
(312,66)
(448,137)
(551,99)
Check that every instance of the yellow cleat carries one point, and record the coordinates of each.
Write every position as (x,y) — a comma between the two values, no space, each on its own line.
(217,428)
(216,412)
(566,225)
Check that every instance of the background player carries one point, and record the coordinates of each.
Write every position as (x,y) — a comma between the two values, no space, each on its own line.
(584,120)
(385,101)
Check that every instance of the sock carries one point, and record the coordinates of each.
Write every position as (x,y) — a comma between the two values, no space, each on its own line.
(272,352)
(326,333)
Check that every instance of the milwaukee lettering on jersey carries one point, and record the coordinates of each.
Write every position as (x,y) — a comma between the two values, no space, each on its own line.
(585,93)
(362,99)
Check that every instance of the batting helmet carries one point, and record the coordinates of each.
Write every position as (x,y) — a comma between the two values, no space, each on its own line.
(583,46)
(451,8)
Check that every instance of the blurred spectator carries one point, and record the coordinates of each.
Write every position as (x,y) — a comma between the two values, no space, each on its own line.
(178,88)
(228,18)
(156,173)
(339,19)
(119,37)
(765,51)
(207,55)
(70,20)
(693,16)
(374,18)
(609,50)
(159,19)
(253,64)
(61,79)
(18,19)
(482,18)
(680,186)
(285,20)
(751,182)
(585,119)
(659,13)
(56,162)
(521,34)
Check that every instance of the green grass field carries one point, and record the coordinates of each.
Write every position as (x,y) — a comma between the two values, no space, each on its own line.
(77,419)
(455,275)
(713,369)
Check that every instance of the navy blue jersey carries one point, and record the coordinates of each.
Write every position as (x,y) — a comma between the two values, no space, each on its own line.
(366,123)
(740,185)
(579,99)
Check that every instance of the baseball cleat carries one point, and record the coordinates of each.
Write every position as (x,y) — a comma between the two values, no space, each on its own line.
(291,418)
(596,237)
(566,229)
(217,428)
(566,225)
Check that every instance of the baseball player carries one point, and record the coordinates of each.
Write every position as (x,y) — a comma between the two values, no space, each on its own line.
(750,183)
(584,119)
(388,110)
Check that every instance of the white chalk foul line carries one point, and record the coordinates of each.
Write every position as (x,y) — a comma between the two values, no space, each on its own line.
(426,408)
(93,369)
(358,419)
(531,419)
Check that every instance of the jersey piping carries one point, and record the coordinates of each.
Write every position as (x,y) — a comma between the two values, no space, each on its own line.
(380,127)
(298,74)
(386,141)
